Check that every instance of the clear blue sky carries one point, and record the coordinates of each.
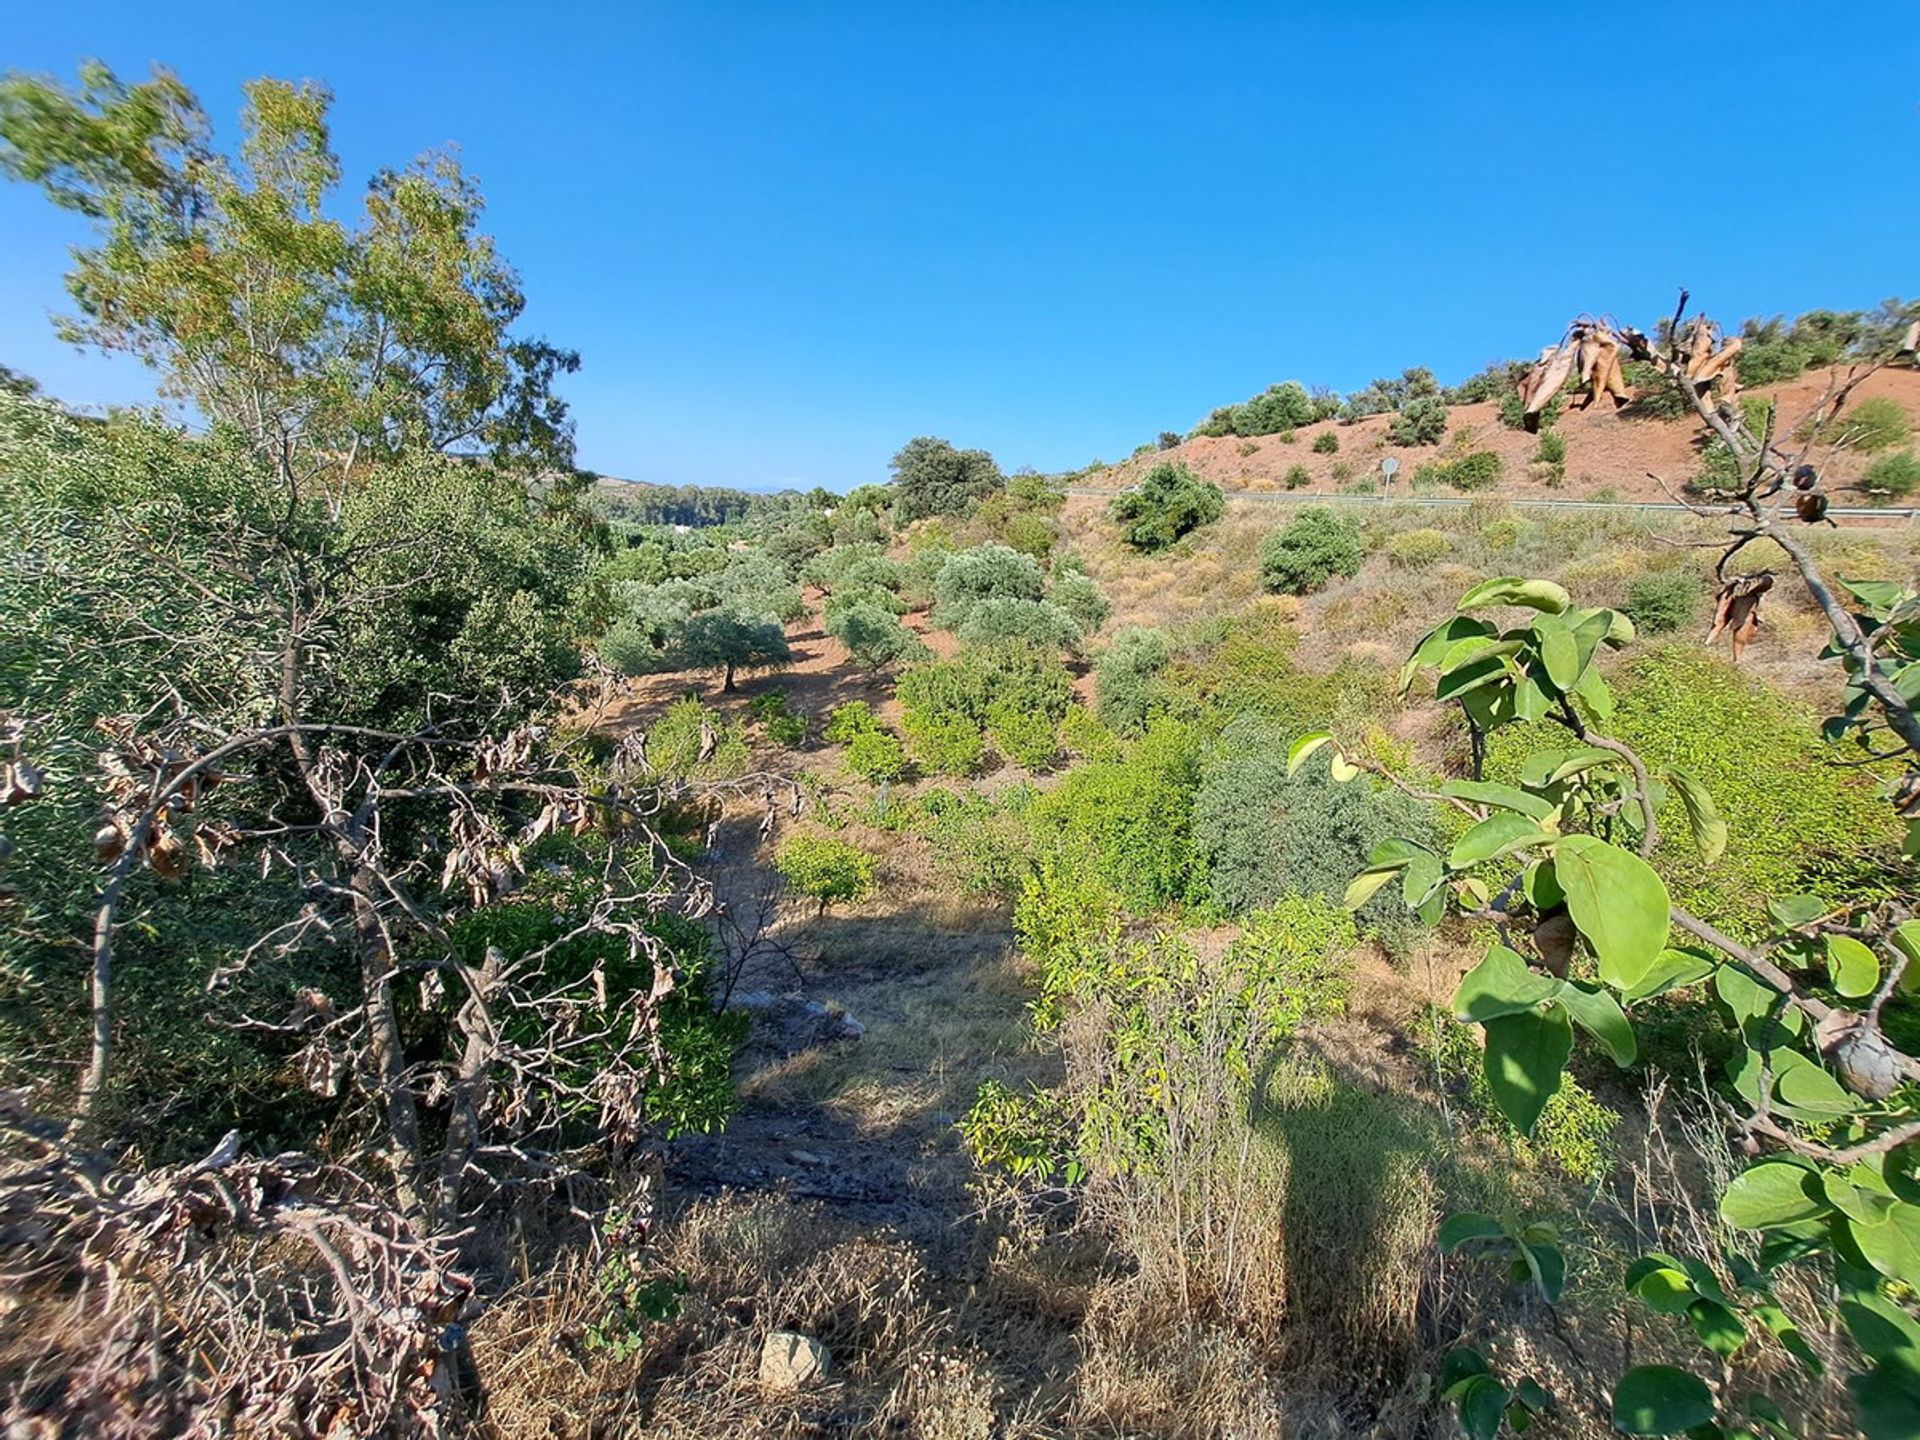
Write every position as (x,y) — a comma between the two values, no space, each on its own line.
(788,237)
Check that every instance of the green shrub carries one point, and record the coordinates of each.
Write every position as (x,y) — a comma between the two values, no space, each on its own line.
(1655,397)
(674,743)
(1075,592)
(1419,422)
(1169,503)
(874,636)
(982,842)
(945,741)
(1660,604)
(826,869)
(876,757)
(1309,551)
(1476,471)
(1297,477)
(1130,821)
(1896,475)
(1875,424)
(1038,623)
(1417,549)
(987,572)
(1327,442)
(1028,738)
(1294,956)
(1286,406)
(1262,835)
(1029,533)
(1553,448)
(1513,413)
(845,722)
(1127,676)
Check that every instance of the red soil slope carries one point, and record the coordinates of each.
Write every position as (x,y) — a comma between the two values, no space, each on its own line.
(1604,450)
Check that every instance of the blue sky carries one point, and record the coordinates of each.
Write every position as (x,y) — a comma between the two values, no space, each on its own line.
(788,237)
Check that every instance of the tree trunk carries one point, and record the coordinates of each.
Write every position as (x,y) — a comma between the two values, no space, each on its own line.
(727,684)
(386,1059)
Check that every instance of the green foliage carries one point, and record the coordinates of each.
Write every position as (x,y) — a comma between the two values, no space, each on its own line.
(1279,407)
(1310,550)
(1130,821)
(674,743)
(1417,549)
(1040,624)
(1297,477)
(1169,503)
(1661,604)
(826,869)
(1262,834)
(236,279)
(1420,422)
(778,719)
(1075,592)
(1896,476)
(1553,448)
(988,572)
(1127,676)
(1477,471)
(1513,411)
(874,636)
(1568,834)
(945,742)
(982,842)
(845,722)
(1027,737)
(729,640)
(1327,442)
(1872,425)
(876,757)
(931,477)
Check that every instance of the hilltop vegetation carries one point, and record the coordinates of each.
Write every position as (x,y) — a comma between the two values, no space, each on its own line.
(485,952)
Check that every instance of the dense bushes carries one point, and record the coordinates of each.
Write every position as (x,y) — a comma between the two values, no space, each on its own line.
(950,705)
(1309,551)
(1660,604)
(1262,834)
(1169,503)
(1875,424)
(1130,821)
(1895,476)
(1038,623)
(1476,471)
(931,477)
(1419,422)
(988,572)
(1127,675)
(1327,442)
(826,869)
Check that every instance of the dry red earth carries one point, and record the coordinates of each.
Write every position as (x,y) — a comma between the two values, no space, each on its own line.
(1604,450)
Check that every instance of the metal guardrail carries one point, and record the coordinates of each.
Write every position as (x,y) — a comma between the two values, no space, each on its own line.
(1303,497)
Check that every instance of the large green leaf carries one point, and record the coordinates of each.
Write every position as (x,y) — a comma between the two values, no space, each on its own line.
(1541,595)
(1437,641)
(1501,984)
(1893,1246)
(1660,1400)
(1887,1398)
(1599,1014)
(1497,835)
(1504,797)
(1305,746)
(1771,1194)
(1674,970)
(1559,651)
(1468,1226)
(1703,816)
(1618,903)
(1854,967)
(1719,1327)
(1526,1054)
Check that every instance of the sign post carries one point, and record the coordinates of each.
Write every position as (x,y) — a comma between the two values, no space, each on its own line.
(1389,467)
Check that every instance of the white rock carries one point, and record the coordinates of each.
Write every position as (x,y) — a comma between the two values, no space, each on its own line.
(792,1361)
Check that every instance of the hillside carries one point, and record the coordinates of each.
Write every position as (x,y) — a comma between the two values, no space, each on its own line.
(1605,451)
